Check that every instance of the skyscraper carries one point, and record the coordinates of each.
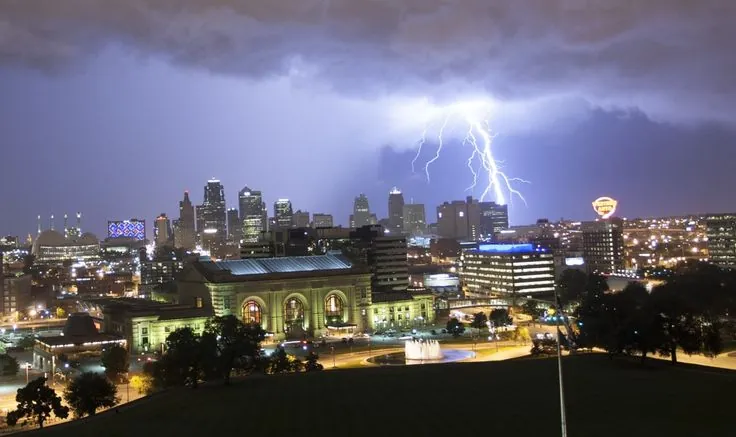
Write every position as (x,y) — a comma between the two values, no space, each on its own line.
(184,231)
(385,254)
(252,214)
(282,212)
(459,220)
(493,218)
(234,228)
(395,212)
(721,231)
(322,220)
(415,222)
(361,212)
(162,230)
(214,216)
(300,219)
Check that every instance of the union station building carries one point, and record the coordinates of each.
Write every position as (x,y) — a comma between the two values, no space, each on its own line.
(298,297)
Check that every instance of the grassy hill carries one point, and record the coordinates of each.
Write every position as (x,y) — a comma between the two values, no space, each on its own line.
(512,398)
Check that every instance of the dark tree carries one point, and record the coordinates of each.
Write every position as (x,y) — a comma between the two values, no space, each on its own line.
(500,317)
(530,307)
(36,401)
(182,364)
(281,362)
(8,365)
(89,392)
(480,321)
(238,344)
(571,286)
(455,327)
(312,364)
(116,361)
(27,342)
(689,316)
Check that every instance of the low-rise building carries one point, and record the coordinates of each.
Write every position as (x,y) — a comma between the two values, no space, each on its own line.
(145,324)
(306,296)
(79,339)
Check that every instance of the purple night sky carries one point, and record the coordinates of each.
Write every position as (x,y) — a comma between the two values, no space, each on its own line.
(114,108)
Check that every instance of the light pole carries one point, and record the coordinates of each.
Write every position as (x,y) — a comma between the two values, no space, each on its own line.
(332,348)
(28,368)
(563,418)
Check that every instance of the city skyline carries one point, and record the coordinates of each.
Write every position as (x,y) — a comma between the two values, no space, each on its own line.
(332,113)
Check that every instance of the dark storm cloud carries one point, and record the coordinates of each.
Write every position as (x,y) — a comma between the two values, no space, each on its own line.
(673,59)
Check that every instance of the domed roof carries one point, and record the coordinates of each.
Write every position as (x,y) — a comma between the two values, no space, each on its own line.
(48,238)
(88,238)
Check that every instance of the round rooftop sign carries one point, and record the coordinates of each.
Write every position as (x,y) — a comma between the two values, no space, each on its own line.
(605,206)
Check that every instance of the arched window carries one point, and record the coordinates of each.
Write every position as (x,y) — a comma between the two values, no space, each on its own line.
(293,314)
(333,308)
(252,312)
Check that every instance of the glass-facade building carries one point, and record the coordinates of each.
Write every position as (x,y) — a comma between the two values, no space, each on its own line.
(508,269)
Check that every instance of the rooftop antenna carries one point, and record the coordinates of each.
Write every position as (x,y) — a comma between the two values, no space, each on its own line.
(66,225)
(39,223)
(79,222)
(52,222)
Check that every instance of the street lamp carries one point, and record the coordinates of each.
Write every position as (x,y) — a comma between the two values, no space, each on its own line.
(333,356)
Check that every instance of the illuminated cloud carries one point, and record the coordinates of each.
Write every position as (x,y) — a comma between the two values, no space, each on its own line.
(671,59)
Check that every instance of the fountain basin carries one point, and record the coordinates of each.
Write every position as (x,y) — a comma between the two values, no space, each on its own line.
(399,358)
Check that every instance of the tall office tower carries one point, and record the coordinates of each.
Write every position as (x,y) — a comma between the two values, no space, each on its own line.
(493,218)
(361,212)
(282,212)
(603,245)
(300,219)
(234,228)
(162,230)
(415,222)
(184,232)
(386,256)
(459,220)
(320,220)
(199,220)
(721,232)
(395,212)
(213,210)
(252,214)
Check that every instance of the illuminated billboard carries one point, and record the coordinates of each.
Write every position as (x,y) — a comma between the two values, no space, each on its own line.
(605,206)
(135,229)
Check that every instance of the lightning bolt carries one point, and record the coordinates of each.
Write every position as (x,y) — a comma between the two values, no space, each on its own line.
(478,135)
(440,144)
(420,143)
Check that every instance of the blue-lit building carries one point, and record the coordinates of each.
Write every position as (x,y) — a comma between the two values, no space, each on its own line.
(504,269)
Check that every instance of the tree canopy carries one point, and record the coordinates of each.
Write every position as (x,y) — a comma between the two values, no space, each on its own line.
(238,344)
(36,402)
(115,360)
(89,392)
(455,327)
(480,321)
(685,313)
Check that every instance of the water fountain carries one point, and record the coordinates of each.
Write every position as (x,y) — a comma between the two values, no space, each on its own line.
(420,350)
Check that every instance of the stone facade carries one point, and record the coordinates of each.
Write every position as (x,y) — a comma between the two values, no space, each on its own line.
(288,305)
